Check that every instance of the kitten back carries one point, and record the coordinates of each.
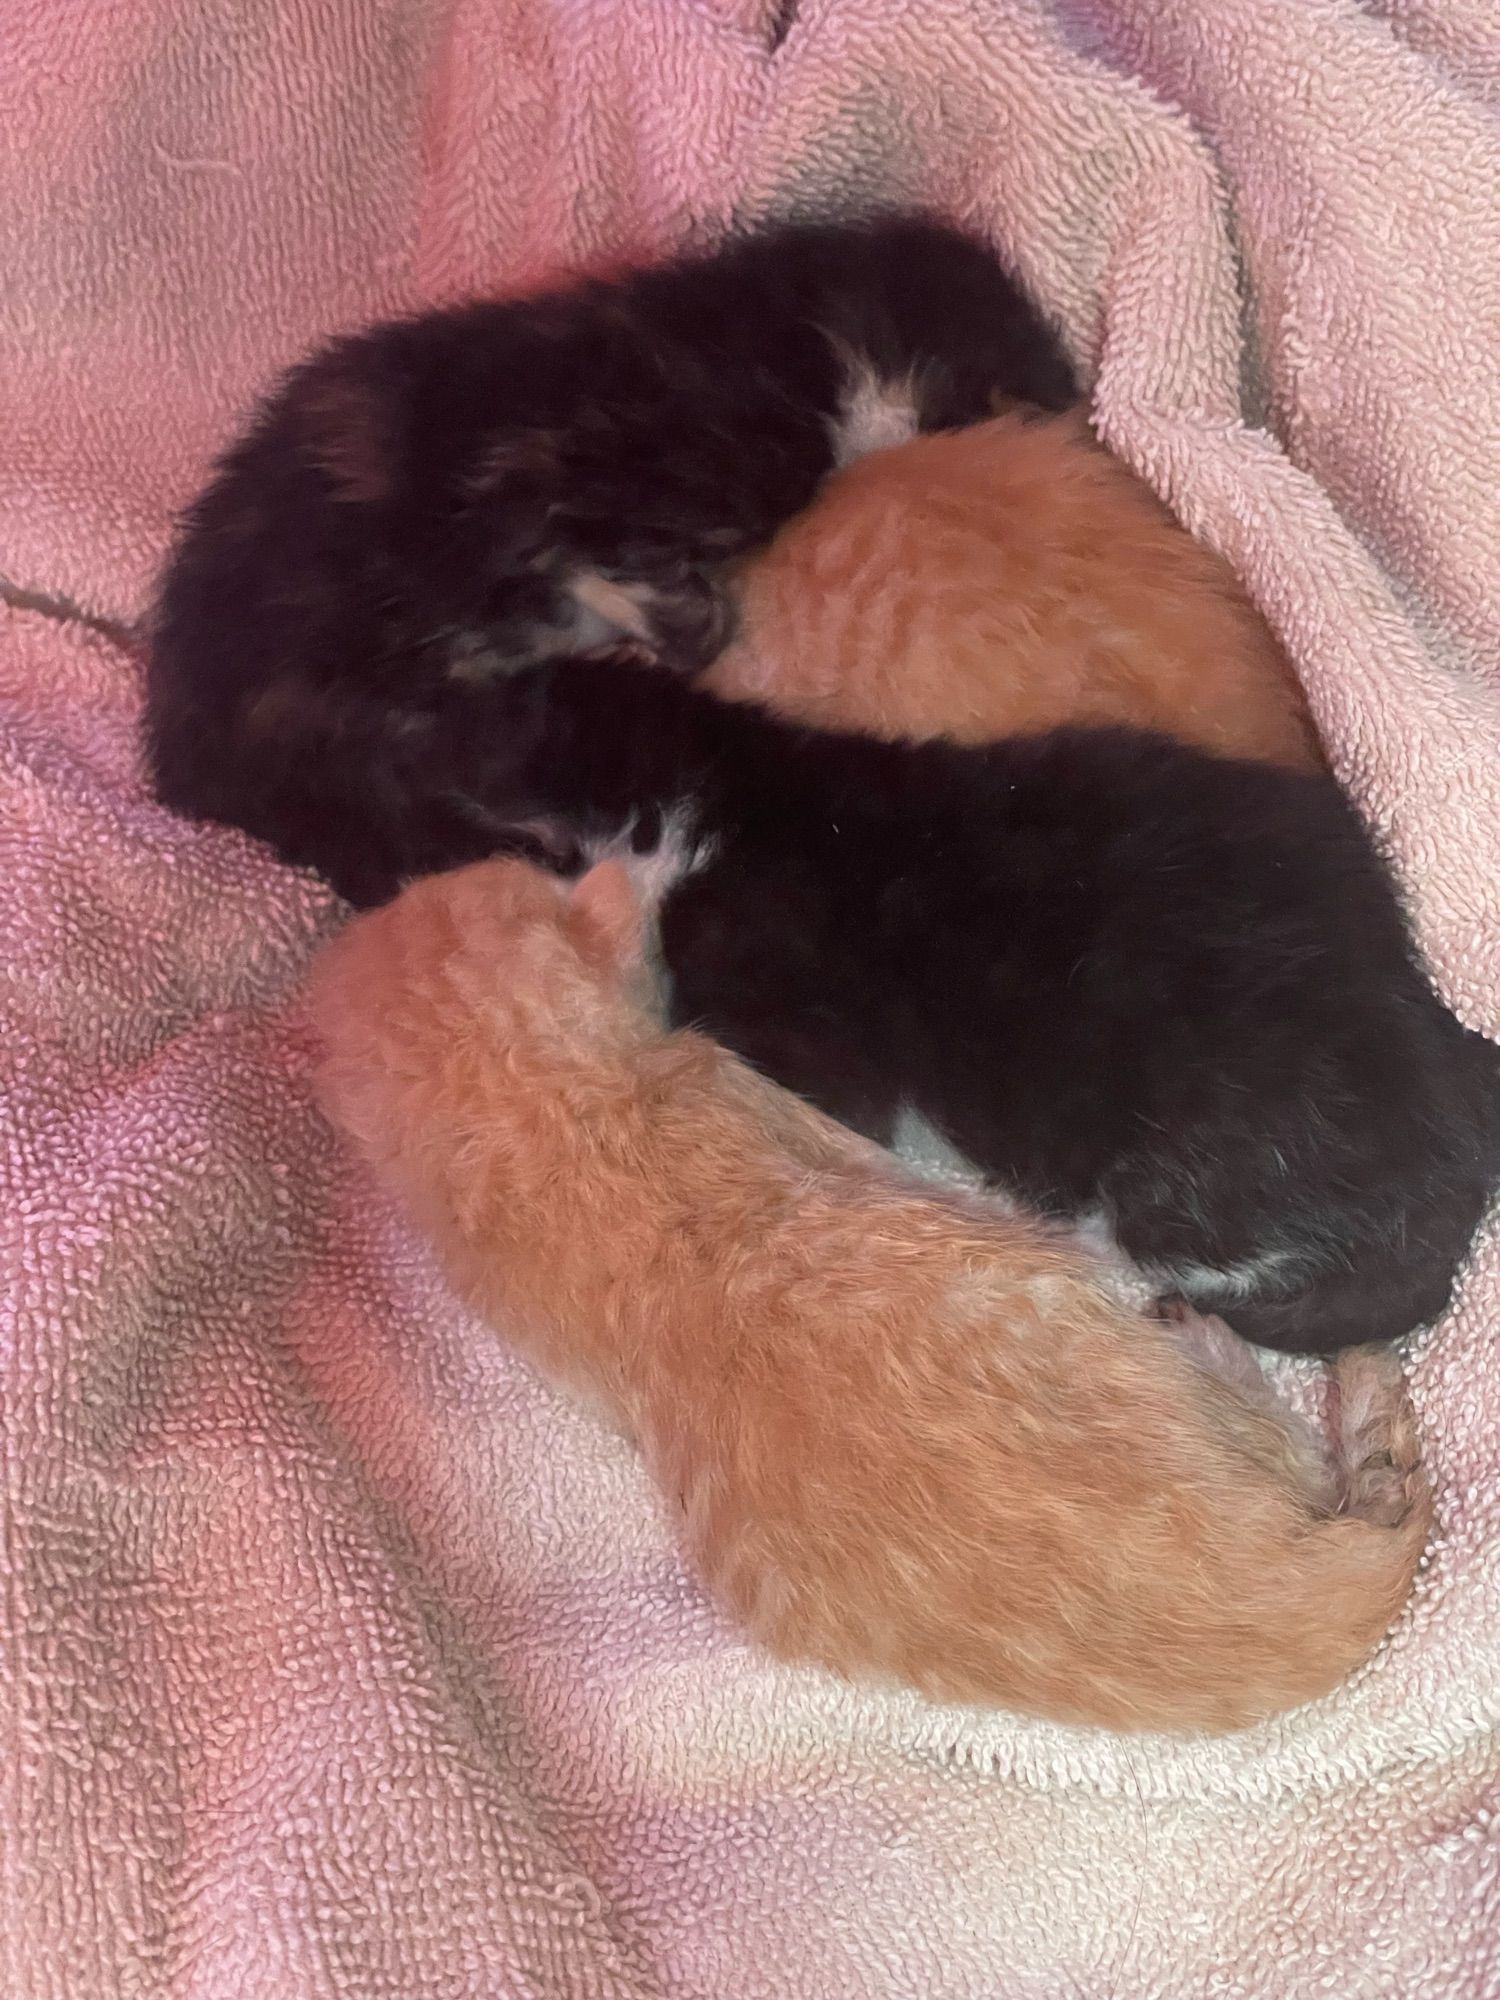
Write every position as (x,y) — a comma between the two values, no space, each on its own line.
(1005,579)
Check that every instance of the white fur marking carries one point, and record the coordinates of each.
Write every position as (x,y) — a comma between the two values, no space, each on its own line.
(873,414)
(1093,1235)
(619,609)
(1232,1283)
(1092,1230)
(677,855)
(922,1147)
(596,616)
(653,875)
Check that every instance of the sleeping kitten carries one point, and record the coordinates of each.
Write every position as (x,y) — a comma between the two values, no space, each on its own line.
(433,503)
(910,1438)
(1001,580)
(1129,982)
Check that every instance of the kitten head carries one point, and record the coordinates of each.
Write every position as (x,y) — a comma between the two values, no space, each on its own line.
(523,939)
(513,944)
(494,984)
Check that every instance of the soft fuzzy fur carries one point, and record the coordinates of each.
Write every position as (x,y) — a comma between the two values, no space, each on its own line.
(1008,578)
(1124,979)
(426,506)
(908,1436)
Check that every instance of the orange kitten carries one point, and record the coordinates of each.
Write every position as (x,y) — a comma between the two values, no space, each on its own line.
(998,581)
(911,1436)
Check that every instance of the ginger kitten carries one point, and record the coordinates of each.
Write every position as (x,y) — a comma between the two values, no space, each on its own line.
(1002,580)
(910,1436)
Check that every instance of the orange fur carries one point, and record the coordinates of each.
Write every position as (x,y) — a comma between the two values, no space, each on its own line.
(911,1436)
(1003,580)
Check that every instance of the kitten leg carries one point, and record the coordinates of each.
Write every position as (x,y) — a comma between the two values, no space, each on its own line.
(1215,1346)
(1376,1429)
(1376,1455)
(1218,1350)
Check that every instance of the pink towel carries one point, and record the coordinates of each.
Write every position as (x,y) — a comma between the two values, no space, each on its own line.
(339,1657)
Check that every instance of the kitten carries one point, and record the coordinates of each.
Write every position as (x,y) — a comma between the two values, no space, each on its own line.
(1171,994)
(431,504)
(909,1438)
(1005,579)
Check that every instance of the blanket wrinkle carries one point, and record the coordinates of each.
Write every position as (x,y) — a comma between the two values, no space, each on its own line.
(339,1658)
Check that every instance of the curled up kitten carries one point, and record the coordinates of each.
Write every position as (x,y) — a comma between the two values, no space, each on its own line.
(910,1437)
(425,507)
(1001,580)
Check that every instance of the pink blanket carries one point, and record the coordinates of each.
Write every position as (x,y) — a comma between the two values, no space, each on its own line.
(339,1657)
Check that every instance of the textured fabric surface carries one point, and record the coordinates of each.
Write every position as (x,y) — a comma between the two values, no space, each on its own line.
(339,1657)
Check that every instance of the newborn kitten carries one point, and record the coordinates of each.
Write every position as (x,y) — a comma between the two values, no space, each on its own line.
(909,1438)
(1001,580)
(431,504)
(1170,993)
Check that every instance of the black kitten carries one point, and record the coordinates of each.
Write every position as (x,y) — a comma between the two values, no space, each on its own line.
(440,501)
(1135,984)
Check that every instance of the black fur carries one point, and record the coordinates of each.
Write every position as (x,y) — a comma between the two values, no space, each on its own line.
(1118,974)
(414,508)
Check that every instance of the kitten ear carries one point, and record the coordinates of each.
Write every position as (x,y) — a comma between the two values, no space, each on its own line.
(607,898)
